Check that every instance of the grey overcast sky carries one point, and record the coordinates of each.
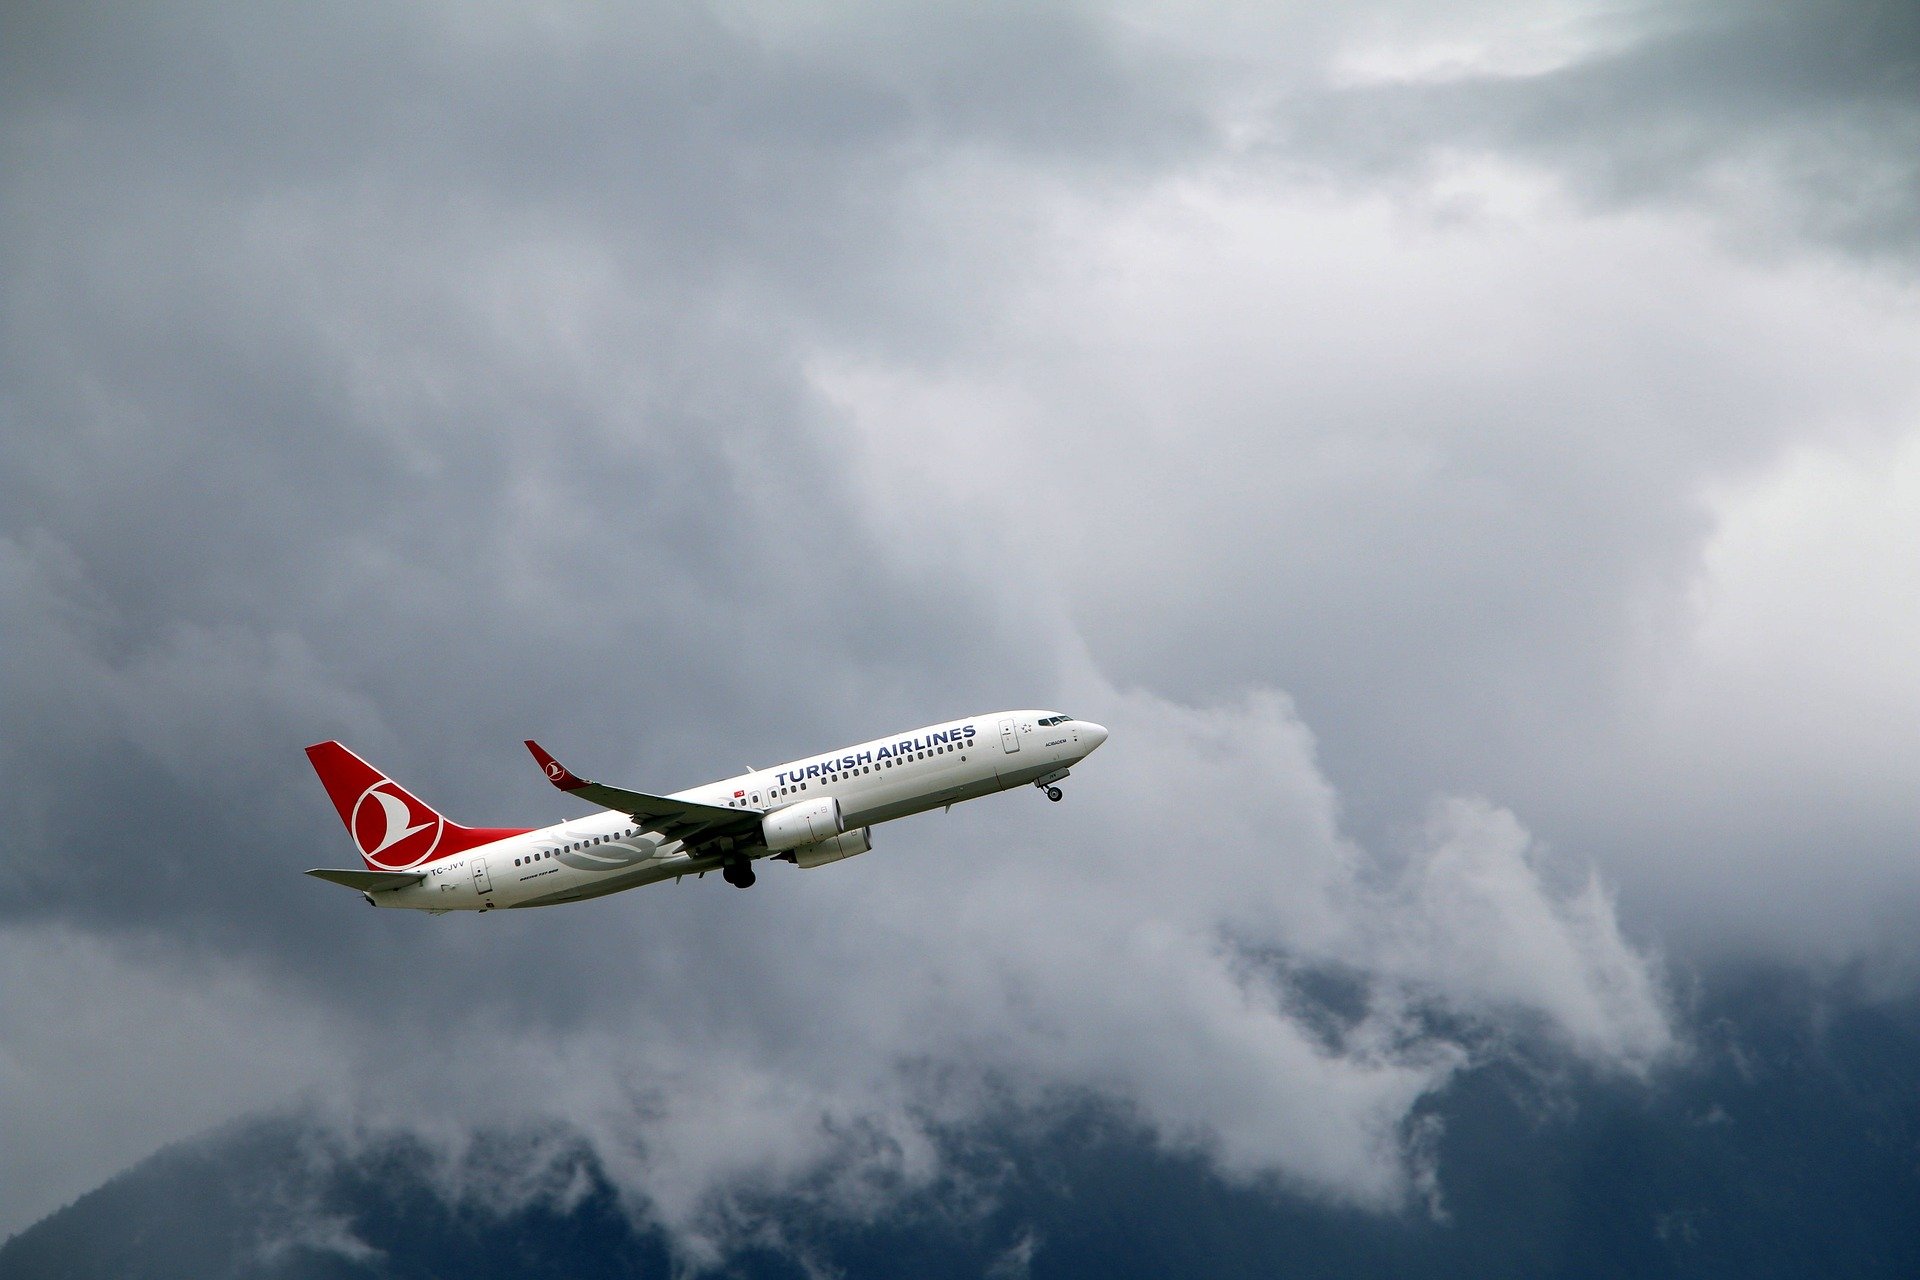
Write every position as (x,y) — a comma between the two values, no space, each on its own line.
(1468,454)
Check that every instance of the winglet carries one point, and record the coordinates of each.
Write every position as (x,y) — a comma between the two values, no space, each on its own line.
(556,772)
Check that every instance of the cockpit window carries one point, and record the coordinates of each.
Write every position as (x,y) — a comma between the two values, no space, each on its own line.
(1047,721)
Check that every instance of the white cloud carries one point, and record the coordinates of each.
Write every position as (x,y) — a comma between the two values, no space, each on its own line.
(1136,942)
(1479,924)
(1787,723)
(1807,606)
(1124,943)
(1430,454)
(1438,44)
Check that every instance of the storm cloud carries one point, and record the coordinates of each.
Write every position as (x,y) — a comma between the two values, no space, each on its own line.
(1421,436)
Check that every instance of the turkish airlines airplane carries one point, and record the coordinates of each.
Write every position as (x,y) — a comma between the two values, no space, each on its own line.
(809,812)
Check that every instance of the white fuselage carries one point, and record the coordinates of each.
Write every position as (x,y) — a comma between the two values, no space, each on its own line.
(874,782)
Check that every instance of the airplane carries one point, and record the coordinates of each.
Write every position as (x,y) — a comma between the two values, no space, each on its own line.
(810,812)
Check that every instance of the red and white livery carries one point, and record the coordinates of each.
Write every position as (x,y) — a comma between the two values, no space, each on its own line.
(808,812)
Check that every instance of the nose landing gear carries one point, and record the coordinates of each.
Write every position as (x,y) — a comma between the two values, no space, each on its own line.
(1054,794)
(1046,784)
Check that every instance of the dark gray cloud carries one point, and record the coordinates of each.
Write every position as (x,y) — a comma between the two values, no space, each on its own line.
(1793,122)
(700,386)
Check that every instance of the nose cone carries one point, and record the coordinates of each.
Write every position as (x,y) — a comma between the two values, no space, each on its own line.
(1091,735)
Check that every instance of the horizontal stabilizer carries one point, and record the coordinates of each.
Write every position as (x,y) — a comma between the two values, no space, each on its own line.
(368,881)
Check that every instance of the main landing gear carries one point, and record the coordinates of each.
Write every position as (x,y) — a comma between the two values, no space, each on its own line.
(738,874)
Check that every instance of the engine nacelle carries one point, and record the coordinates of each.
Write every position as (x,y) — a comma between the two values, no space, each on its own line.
(809,822)
(822,852)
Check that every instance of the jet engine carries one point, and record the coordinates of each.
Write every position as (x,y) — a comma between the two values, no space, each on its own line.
(808,822)
(820,853)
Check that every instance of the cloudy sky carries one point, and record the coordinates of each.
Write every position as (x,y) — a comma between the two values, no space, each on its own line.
(1468,454)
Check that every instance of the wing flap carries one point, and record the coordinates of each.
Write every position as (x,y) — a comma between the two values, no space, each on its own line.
(673,819)
(368,881)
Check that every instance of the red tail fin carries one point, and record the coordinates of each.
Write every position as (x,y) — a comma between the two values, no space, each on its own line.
(393,829)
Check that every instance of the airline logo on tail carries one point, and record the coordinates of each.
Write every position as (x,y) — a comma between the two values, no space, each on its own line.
(394,831)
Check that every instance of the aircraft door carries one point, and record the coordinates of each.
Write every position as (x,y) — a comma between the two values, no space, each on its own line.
(482,882)
(1009,739)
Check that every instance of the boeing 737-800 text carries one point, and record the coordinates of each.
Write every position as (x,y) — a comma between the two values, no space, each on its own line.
(810,812)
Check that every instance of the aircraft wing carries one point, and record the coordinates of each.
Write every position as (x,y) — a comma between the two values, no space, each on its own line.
(673,819)
(368,881)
